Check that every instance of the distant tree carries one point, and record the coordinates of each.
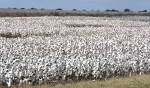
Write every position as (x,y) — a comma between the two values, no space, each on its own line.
(74,10)
(59,9)
(42,8)
(114,10)
(14,8)
(111,10)
(108,10)
(22,8)
(143,11)
(127,10)
(33,8)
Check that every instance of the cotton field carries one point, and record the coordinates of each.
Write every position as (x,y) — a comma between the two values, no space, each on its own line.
(47,49)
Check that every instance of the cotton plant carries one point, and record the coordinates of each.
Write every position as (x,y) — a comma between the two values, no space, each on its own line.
(73,48)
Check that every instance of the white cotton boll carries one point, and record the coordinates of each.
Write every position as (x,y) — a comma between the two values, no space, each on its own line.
(9,82)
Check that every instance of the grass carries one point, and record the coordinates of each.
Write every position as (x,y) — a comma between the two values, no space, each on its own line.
(128,82)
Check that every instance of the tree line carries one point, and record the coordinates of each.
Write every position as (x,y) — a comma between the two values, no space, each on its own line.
(107,10)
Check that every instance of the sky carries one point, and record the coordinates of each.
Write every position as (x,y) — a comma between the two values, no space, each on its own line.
(135,5)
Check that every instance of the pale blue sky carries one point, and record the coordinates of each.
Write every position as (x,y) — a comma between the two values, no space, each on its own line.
(78,4)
